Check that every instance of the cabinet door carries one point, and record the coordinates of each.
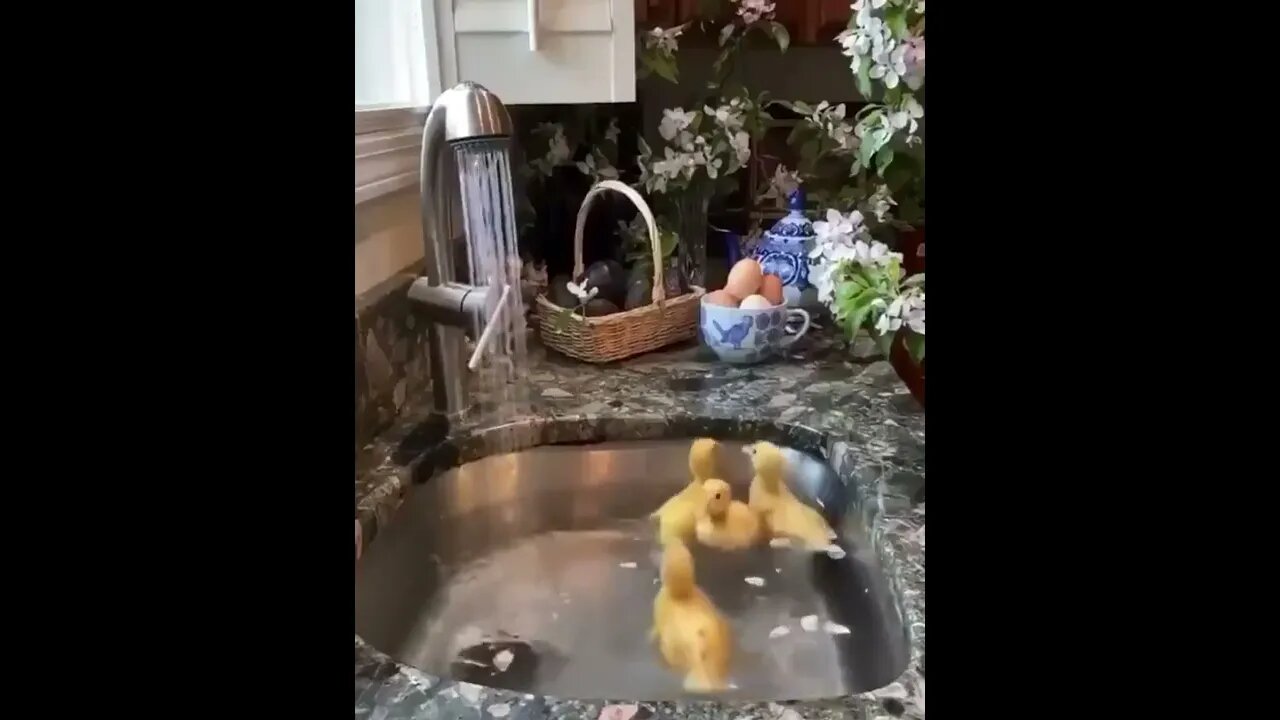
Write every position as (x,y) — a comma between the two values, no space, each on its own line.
(579,51)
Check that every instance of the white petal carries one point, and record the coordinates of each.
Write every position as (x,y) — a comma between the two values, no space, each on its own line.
(891,79)
(835,628)
(754,581)
(503,659)
(809,623)
(780,631)
(877,72)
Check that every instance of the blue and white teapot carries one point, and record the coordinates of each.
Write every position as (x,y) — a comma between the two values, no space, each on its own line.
(784,251)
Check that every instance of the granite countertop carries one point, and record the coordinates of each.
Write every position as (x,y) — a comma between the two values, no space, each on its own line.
(841,402)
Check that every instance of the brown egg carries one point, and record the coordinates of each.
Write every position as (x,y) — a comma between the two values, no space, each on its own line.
(771,287)
(744,278)
(721,298)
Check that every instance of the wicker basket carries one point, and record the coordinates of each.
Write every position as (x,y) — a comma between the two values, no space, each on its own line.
(628,333)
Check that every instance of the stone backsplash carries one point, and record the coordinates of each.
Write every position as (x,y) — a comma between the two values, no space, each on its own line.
(392,362)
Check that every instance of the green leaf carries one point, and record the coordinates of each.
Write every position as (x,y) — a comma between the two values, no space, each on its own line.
(893,272)
(872,140)
(780,34)
(896,18)
(883,158)
(718,66)
(885,341)
(893,95)
(869,107)
(562,320)
(854,321)
(915,345)
(662,65)
(797,132)
(726,32)
(809,151)
(914,280)
(801,107)
(668,241)
(864,78)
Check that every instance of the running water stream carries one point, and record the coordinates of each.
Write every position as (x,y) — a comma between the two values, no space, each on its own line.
(488,209)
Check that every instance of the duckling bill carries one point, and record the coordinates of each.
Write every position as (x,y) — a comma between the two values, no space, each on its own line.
(723,522)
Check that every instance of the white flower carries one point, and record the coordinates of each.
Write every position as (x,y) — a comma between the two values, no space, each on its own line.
(728,116)
(836,227)
(886,323)
(713,165)
(920,7)
(906,116)
(781,185)
(913,59)
(741,144)
(889,65)
(587,166)
(558,152)
(752,10)
(907,308)
(582,292)
(881,202)
(664,40)
(830,119)
(673,121)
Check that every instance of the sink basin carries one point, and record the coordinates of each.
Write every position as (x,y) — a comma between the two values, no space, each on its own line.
(544,563)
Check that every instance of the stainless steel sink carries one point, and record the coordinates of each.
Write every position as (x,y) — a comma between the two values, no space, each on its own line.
(545,560)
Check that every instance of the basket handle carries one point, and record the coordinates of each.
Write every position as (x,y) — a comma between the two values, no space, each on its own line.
(659,291)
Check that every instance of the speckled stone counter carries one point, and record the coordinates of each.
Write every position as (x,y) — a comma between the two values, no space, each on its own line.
(827,398)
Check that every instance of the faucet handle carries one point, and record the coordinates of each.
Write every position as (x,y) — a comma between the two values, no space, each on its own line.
(486,337)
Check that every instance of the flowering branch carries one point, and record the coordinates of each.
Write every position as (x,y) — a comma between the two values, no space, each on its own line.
(860,280)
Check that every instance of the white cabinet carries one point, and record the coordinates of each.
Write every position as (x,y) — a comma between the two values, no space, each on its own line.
(537,51)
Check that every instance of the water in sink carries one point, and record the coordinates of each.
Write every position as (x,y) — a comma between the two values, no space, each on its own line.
(543,563)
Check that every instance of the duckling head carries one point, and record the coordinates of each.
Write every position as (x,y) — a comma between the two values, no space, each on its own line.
(702,458)
(767,461)
(718,495)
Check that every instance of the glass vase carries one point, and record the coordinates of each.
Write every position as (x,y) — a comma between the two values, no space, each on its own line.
(691,219)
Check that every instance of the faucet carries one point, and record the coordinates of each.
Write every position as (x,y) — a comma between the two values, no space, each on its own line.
(463,113)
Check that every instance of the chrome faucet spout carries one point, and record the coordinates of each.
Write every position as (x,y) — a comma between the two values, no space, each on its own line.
(464,113)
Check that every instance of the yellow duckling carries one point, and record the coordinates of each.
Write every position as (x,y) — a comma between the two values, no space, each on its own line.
(726,523)
(679,514)
(692,635)
(779,510)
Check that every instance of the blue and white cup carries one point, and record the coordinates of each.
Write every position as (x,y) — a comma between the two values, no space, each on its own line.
(747,336)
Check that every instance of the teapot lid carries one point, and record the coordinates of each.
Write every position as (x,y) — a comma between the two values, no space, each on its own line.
(794,224)
(795,201)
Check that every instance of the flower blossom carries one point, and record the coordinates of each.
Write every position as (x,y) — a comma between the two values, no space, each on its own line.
(752,10)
